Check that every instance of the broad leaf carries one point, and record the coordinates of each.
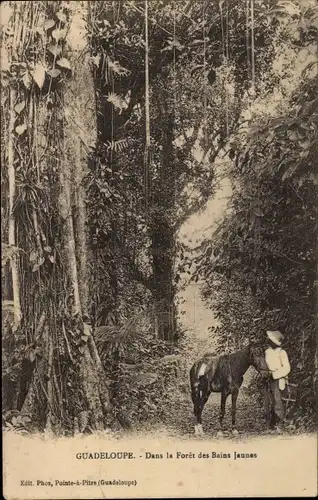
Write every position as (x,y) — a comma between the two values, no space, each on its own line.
(27,81)
(61,16)
(54,73)
(64,63)
(49,24)
(58,34)
(54,49)
(20,129)
(19,107)
(33,256)
(39,75)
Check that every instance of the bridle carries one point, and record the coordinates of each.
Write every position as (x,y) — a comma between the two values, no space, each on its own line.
(260,370)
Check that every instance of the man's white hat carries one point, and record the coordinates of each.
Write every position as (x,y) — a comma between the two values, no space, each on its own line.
(275,336)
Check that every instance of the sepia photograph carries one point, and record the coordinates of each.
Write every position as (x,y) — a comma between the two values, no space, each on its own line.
(159,252)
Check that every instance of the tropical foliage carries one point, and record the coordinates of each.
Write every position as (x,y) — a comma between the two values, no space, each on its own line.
(259,269)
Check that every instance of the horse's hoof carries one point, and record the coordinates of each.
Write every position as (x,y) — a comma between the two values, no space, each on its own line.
(219,434)
(198,430)
(235,432)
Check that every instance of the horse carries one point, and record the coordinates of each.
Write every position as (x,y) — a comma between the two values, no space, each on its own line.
(224,374)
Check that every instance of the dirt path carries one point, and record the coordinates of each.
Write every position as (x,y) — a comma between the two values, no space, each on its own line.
(179,422)
(249,416)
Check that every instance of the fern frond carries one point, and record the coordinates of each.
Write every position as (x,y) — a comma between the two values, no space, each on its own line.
(110,339)
(117,101)
(118,146)
(116,68)
(112,68)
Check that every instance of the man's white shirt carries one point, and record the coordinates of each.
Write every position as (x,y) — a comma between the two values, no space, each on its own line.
(278,363)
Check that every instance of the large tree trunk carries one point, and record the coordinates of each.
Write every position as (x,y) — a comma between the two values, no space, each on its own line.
(163,269)
(79,218)
(68,235)
(163,235)
(70,368)
(92,375)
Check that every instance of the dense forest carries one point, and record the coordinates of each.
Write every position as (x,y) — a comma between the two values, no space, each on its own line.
(115,115)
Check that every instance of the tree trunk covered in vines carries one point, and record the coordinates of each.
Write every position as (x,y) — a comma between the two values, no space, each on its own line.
(92,375)
(79,221)
(62,376)
(68,234)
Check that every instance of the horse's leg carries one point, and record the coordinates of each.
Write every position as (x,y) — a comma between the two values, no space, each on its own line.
(224,395)
(202,397)
(197,410)
(200,406)
(199,401)
(235,392)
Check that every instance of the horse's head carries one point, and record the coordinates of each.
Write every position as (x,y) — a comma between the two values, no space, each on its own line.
(257,358)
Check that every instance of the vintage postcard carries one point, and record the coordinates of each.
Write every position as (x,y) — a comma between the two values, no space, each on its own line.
(159,248)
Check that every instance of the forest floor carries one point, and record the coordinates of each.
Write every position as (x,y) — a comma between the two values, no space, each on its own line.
(249,416)
(178,419)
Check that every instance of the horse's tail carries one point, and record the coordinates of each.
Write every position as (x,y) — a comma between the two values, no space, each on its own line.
(199,383)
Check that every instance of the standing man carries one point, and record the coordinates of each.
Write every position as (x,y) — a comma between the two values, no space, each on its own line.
(279,366)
